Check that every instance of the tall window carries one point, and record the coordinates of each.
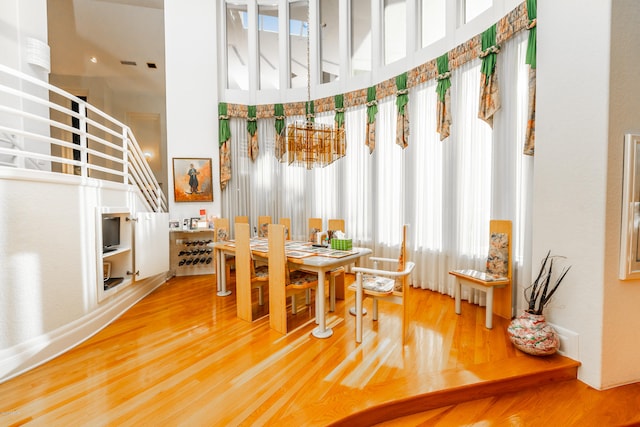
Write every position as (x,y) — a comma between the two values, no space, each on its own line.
(360,36)
(395,30)
(237,47)
(269,49)
(329,41)
(432,21)
(298,36)
(473,8)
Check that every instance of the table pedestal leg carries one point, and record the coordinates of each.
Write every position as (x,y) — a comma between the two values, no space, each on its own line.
(321,331)
(222,275)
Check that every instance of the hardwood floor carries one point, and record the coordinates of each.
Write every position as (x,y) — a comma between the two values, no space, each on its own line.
(181,357)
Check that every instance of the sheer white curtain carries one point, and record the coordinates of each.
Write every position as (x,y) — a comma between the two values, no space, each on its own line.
(477,174)
(447,191)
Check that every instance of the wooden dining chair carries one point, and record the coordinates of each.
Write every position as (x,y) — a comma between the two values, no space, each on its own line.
(287,227)
(282,282)
(495,281)
(387,285)
(335,225)
(248,276)
(315,226)
(263,225)
(241,219)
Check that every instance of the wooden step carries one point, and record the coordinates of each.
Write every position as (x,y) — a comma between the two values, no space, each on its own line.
(372,404)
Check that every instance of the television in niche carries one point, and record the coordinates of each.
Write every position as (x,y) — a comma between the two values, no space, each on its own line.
(110,233)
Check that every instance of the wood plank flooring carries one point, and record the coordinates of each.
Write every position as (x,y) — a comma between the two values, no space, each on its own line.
(181,357)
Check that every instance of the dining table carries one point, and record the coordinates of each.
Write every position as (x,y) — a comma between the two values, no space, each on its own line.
(300,255)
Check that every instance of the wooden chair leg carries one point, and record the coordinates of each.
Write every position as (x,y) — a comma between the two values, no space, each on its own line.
(489,315)
(332,293)
(358,308)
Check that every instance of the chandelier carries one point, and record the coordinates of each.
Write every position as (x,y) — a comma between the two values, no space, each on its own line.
(312,144)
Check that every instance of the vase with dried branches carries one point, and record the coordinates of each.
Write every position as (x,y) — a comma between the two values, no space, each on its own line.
(530,332)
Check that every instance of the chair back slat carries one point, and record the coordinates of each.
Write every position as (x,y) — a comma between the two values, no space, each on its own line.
(221,231)
(263,224)
(243,271)
(336,225)
(277,279)
(315,226)
(287,227)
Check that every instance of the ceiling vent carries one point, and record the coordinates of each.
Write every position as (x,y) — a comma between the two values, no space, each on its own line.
(152,65)
(128,63)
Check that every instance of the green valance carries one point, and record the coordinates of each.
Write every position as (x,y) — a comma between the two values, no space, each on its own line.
(278,113)
(532,14)
(372,104)
(252,121)
(444,80)
(339,106)
(224,132)
(403,94)
(489,51)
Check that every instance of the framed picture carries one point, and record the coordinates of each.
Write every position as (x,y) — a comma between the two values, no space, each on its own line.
(630,232)
(174,224)
(194,223)
(106,270)
(192,180)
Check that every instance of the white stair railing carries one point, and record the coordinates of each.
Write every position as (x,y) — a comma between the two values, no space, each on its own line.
(46,129)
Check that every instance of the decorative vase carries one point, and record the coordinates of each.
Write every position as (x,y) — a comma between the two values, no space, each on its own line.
(532,334)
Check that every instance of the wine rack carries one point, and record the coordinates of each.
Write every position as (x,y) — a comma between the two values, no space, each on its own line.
(191,253)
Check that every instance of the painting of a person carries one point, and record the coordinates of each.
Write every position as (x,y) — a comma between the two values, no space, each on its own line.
(193,179)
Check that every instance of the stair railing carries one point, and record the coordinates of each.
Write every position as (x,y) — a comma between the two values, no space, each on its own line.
(45,129)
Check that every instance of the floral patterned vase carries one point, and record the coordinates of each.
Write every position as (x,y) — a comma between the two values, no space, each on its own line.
(532,334)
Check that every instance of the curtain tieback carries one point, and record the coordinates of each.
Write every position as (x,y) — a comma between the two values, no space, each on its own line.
(489,50)
(443,76)
(532,24)
(279,117)
(340,110)
(372,103)
(402,92)
(252,119)
(223,117)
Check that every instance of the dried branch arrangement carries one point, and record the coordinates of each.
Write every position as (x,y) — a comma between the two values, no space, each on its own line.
(540,292)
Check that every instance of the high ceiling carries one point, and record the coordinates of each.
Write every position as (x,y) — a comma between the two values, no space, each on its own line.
(112,32)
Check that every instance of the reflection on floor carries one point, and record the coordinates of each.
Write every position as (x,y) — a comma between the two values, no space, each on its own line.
(180,356)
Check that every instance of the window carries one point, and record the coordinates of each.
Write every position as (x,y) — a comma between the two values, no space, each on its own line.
(237,47)
(432,21)
(269,62)
(360,36)
(473,8)
(329,41)
(298,40)
(395,34)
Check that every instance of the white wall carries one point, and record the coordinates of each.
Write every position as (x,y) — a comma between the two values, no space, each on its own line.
(48,265)
(577,183)
(621,325)
(192,96)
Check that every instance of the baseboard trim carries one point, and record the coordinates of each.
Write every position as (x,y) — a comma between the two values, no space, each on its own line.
(32,353)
